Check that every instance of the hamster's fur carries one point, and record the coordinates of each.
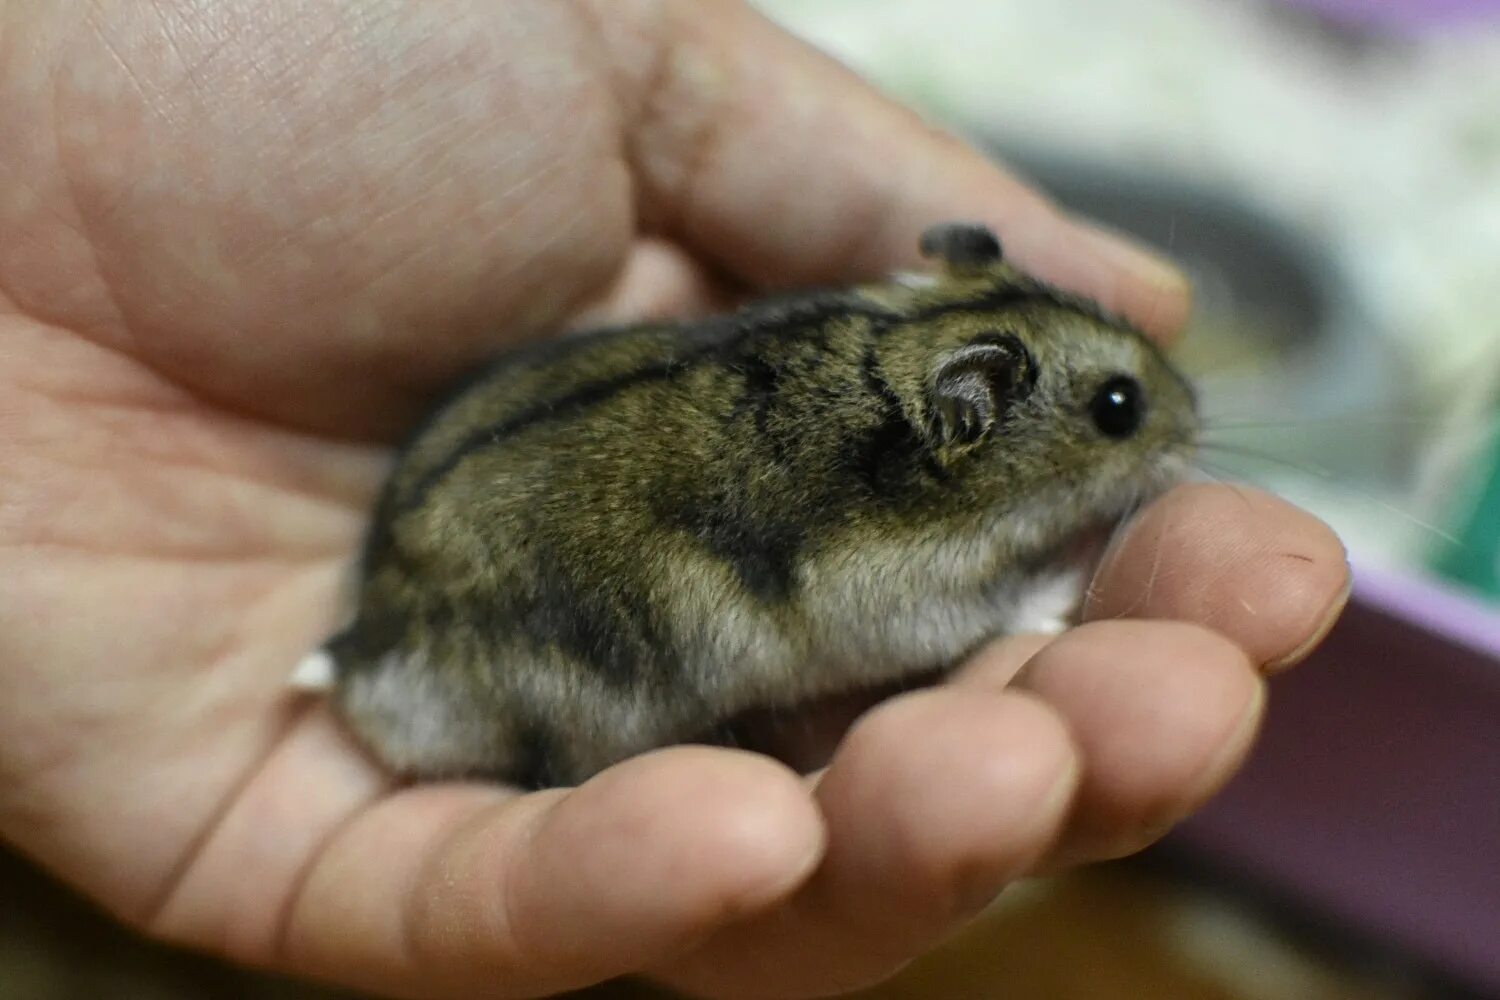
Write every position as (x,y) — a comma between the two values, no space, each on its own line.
(612,542)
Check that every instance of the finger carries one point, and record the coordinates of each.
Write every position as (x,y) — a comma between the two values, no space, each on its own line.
(1162,712)
(659,281)
(773,159)
(998,663)
(1268,576)
(464,890)
(934,801)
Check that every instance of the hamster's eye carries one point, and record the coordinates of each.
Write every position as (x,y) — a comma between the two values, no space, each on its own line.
(1118,407)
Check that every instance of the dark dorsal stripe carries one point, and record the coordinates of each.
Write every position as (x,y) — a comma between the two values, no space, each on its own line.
(1007,297)
(809,311)
(584,397)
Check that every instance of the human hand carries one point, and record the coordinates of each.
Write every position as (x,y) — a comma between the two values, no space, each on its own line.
(241,242)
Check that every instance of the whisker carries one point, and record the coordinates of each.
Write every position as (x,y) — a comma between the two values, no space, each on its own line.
(1250,452)
(1116,532)
(1224,480)
(1258,425)
(1329,476)
(1144,599)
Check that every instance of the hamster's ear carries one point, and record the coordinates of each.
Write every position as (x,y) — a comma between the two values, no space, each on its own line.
(961,245)
(974,387)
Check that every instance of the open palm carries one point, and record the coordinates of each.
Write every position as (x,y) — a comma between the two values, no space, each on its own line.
(241,242)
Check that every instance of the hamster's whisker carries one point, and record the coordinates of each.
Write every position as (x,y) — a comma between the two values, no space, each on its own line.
(1155,568)
(1327,475)
(1225,480)
(1117,531)
(1247,451)
(1372,423)
(1144,599)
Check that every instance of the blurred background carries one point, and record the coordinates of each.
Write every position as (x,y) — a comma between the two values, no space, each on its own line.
(1328,171)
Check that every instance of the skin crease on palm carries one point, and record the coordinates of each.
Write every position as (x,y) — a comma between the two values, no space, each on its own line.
(242,241)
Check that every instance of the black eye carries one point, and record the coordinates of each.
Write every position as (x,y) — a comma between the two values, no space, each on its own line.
(1118,407)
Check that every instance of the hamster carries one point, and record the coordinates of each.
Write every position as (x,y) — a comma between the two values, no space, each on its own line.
(616,541)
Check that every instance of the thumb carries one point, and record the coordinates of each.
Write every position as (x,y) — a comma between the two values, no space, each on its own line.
(774,161)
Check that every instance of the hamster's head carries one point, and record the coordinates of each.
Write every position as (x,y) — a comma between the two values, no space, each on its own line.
(1048,417)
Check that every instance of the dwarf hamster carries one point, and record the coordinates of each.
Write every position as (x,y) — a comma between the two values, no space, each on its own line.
(616,541)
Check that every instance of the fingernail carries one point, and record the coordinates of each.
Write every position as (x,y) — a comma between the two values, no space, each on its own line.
(1235,748)
(1329,620)
(1212,778)
(973,894)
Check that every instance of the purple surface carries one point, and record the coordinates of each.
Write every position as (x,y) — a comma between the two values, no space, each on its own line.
(1433,606)
(1407,14)
(1374,796)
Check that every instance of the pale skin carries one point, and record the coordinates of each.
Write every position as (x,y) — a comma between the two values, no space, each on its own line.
(241,243)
